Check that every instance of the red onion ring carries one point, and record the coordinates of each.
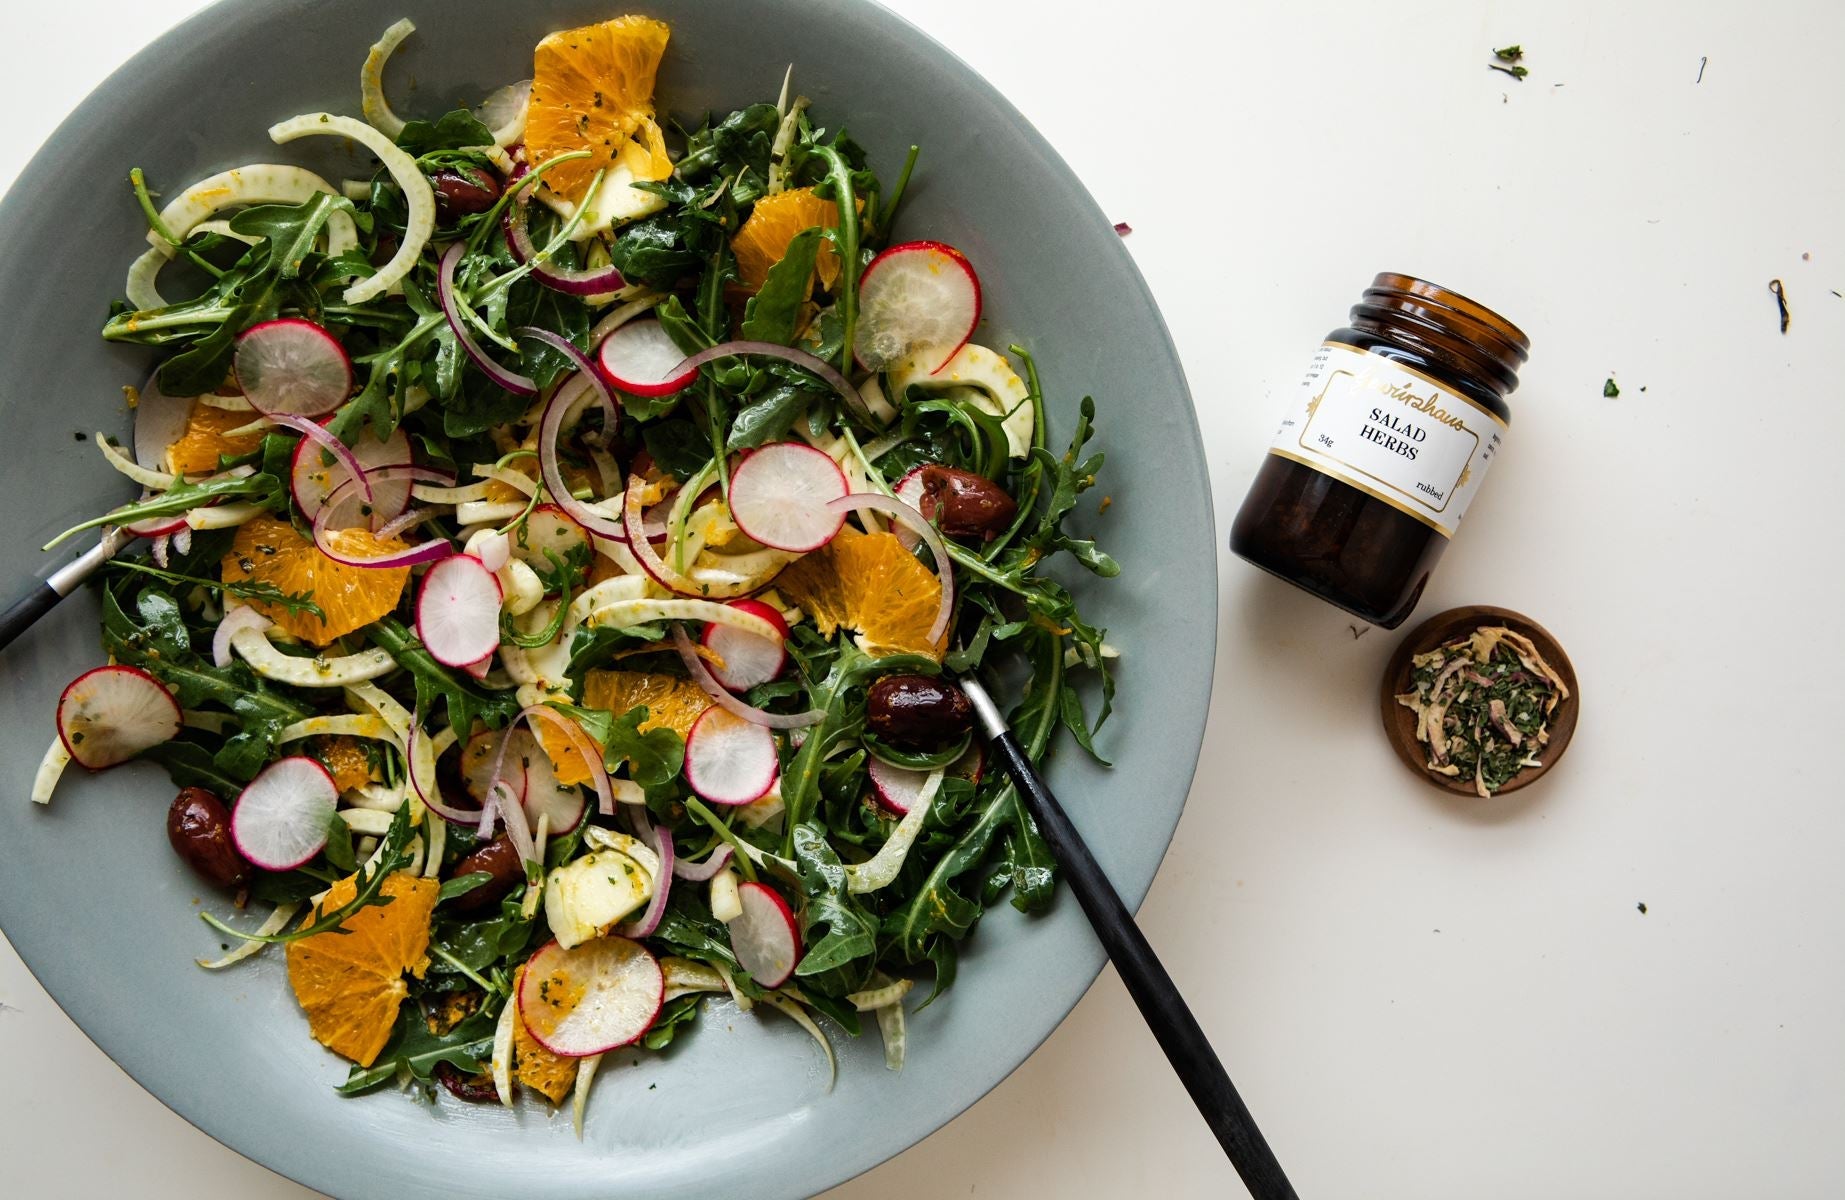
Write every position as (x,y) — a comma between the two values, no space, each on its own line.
(702,872)
(314,431)
(649,920)
(403,521)
(640,544)
(590,281)
(725,699)
(788,354)
(428,551)
(944,569)
(235,621)
(513,814)
(517,831)
(432,798)
(549,429)
(512,381)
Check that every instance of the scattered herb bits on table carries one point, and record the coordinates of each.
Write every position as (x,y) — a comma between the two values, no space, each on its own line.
(560,545)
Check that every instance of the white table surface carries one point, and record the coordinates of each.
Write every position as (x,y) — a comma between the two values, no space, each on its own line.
(1418,997)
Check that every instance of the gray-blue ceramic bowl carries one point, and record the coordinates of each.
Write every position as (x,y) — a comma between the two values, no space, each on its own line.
(106,916)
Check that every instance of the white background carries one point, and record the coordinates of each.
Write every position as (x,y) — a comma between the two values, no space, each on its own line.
(1419,997)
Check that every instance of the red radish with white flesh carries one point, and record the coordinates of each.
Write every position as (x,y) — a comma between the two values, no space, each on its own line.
(896,789)
(527,770)
(550,530)
(594,997)
(430,551)
(747,659)
(312,479)
(642,359)
(765,939)
(291,365)
(779,494)
(155,527)
(282,817)
(479,669)
(917,302)
(729,760)
(458,611)
(909,489)
(477,765)
(110,714)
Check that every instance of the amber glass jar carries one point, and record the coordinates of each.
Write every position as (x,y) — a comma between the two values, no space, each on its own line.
(1397,421)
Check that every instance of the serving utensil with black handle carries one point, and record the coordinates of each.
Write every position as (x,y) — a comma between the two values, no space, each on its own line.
(59,584)
(1159,1001)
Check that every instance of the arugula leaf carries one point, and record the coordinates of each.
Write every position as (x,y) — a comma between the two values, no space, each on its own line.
(415,1050)
(681,1010)
(456,129)
(773,314)
(466,700)
(184,497)
(840,960)
(769,418)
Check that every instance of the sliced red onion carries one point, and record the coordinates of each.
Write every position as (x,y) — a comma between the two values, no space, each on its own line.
(944,569)
(428,551)
(662,846)
(586,371)
(503,805)
(315,432)
(182,540)
(643,550)
(549,430)
(729,701)
(702,872)
(592,281)
(512,381)
(405,520)
(431,798)
(158,550)
(788,354)
(235,621)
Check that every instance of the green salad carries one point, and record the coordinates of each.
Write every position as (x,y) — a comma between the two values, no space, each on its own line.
(557,549)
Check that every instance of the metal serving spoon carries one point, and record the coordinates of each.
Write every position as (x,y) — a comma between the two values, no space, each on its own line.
(1159,1001)
(59,584)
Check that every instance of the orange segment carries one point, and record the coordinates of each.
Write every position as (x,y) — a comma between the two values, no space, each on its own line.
(868,582)
(196,451)
(592,89)
(269,550)
(772,224)
(548,1074)
(351,981)
(673,702)
(345,759)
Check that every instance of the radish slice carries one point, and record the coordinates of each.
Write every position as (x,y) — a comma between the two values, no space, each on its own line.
(642,359)
(312,479)
(909,489)
(917,302)
(766,939)
(729,760)
(281,819)
(108,715)
(430,551)
(779,496)
(157,527)
(528,772)
(458,611)
(160,420)
(591,998)
(897,789)
(748,659)
(545,797)
(477,759)
(550,530)
(291,365)
(701,675)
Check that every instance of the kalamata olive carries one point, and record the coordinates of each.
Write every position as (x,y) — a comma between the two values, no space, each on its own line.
(199,826)
(499,860)
(475,1089)
(964,504)
(917,711)
(461,191)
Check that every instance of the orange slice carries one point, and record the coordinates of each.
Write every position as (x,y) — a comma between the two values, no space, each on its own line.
(773,223)
(269,550)
(550,1075)
(207,436)
(870,583)
(673,702)
(345,759)
(351,981)
(592,89)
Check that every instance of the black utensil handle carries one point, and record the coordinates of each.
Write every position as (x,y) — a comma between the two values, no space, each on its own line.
(29,608)
(1165,1011)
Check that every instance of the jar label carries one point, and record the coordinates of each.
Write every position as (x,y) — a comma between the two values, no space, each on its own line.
(1392,433)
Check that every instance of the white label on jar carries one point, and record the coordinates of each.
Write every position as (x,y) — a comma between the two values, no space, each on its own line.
(1392,433)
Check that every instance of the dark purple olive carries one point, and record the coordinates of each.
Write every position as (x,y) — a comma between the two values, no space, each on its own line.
(463,191)
(964,504)
(500,861)
(917,712)
(199,826)
(475,1089)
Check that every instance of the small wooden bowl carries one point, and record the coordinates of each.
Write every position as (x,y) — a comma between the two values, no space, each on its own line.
(1400,722)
